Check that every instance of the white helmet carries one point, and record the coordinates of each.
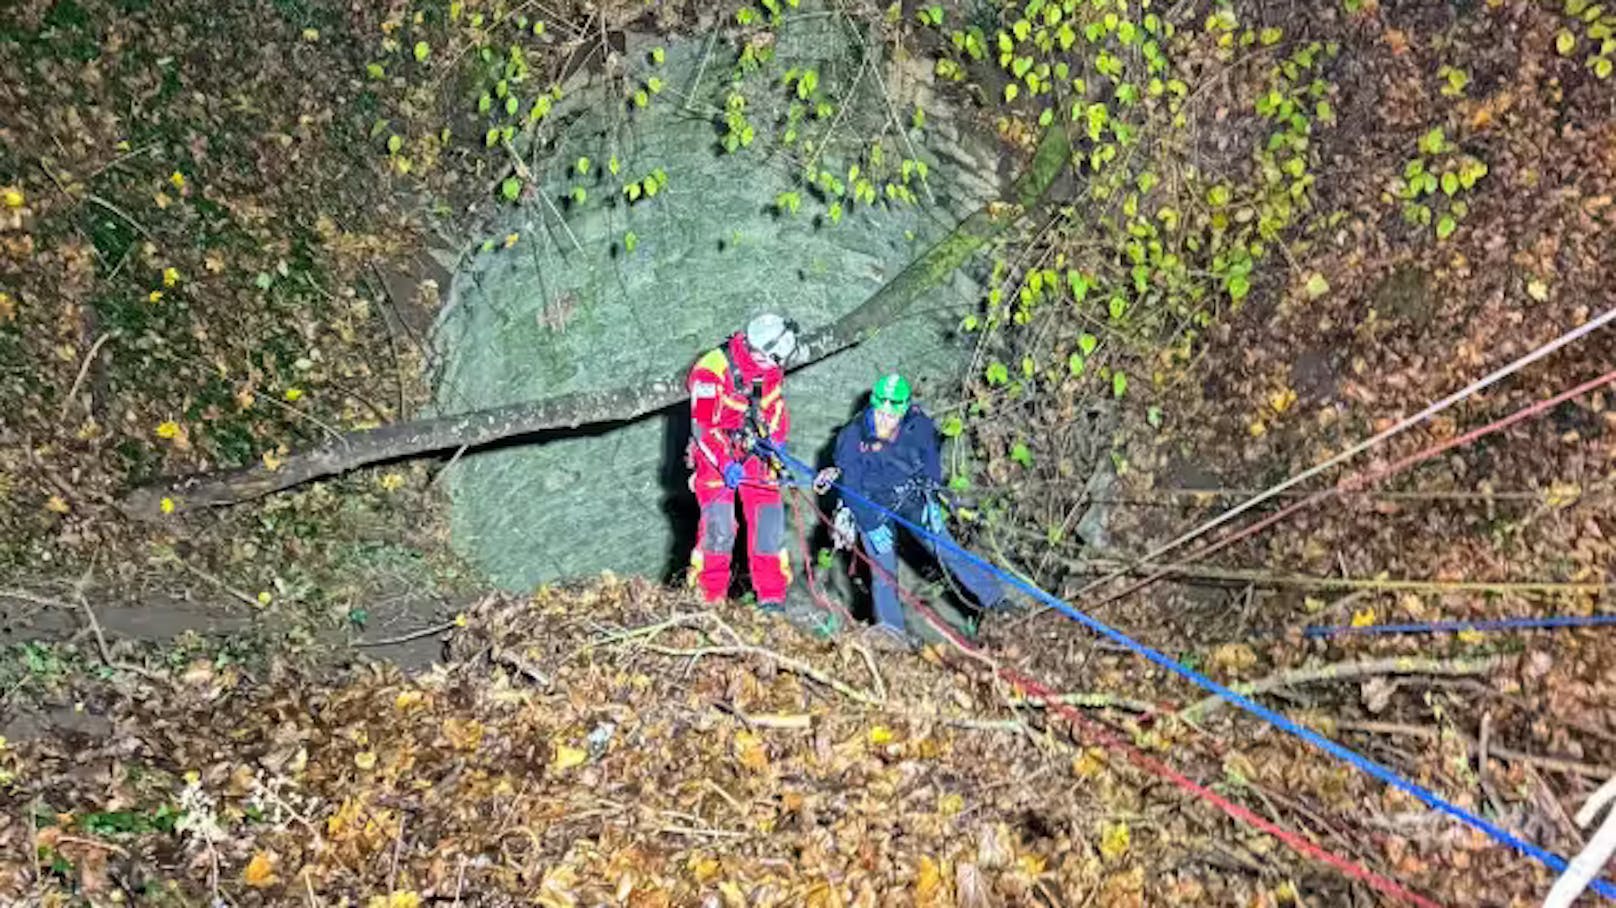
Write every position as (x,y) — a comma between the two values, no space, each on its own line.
(773,336)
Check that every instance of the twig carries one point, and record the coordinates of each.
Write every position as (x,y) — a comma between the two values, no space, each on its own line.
(712,833)
(250,601)
(1553,764)
(450,465)
(728,798)
(460,880)
(84,369)
(438,628)
(1482,739)
(120,213)
(398,843)
(107,846)
(101,646)
(1094,701)
(706,52)
(784,661)
(875,673)
(1345,670)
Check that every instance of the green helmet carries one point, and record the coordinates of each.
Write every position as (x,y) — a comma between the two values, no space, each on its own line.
(890,393)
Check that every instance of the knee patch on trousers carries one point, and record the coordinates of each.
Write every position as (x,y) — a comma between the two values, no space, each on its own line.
(771,528)
(718,526)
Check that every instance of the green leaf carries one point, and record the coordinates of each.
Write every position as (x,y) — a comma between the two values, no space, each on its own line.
(1602,67)
(1445,227)
(641,99)
(263,280)
(511,106)
(511,188)
(375,71)
(1079,283)
(1010,92)
(1565,42)
(485,104)
(1087,343)
(1075,364)
(951,427)
(1218,197)
(1119,384)
(422,51)
(1154,417)
(1317,286)
(491,138)
(1020,453)
(658,55)
(579,194)
(582,165)
(394,143)
(613,165)
(1239,286)
(1117,306)
(997,373)
(630,241)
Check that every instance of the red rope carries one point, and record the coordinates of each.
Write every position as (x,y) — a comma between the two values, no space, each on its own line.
(1109,739)
(1355,482)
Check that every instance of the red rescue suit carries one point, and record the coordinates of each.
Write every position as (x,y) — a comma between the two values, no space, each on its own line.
(721,389)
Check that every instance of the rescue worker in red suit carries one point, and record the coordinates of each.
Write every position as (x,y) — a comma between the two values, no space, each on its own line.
(735,396)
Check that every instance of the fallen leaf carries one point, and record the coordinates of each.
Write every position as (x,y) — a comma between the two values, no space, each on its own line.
(260,871)
(1114,840)
(568,757)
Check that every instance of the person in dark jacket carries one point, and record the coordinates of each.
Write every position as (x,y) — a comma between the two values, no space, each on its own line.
(891,456)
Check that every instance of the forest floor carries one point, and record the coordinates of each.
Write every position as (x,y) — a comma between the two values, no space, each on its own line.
(213,254)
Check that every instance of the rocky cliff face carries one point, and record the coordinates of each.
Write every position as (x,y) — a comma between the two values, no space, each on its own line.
(597,290)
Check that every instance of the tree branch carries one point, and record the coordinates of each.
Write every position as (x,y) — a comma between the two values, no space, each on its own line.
(1341,671)
(569,411)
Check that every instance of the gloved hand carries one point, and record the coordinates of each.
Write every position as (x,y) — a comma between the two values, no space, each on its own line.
(733,474)
(881,539)
(823,480)
(932,517)
(843,530)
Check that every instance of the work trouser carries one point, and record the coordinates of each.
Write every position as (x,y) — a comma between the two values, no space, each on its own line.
(880,543)
(767,557)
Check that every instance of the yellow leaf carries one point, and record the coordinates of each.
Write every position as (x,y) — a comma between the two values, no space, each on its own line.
(1089,764)
(311,35)
(1537,289)
(400,899)
(733,896)
(1471,636)
(1363,617)
(950,804)
(407,699)
(928,882)
(749,748)
(1281,400)
(568,757)
(177,179)
(264,598)
(365,759)
(12,197)
(171,276)
(1114,841)
(57,504)
(1032,864)
(163,201)
(260,871)
(1256,429)
(293,393)
(510,239)
(156,296)
(705,867)
(8,309)
(880,735)
(271,462)
(167,505)
(390,481)
(168,429)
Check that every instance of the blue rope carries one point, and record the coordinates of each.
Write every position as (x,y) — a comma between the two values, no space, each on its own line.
(1390,777)
(1436,627)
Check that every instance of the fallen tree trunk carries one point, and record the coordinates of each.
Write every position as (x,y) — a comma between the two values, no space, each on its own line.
(568,411)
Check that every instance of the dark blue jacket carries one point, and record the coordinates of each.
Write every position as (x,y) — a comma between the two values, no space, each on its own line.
(882,471)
